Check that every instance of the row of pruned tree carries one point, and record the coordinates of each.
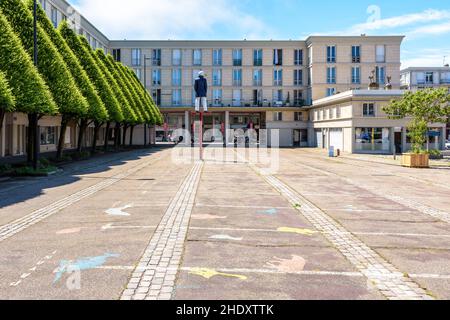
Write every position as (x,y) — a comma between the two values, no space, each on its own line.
(70,79)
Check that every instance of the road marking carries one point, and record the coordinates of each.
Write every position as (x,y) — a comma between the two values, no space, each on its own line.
(419,235)
(225,237)
(275,271)
(238,207)
(119,211)
(33,269)
(166,246)
(12,228)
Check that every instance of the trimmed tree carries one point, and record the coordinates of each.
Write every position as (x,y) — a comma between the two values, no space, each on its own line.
(7,100)
(96,109)
(29,89)
(51,66)
(124,85)
(424,107)
(96,76)
(149,100)
(129,116)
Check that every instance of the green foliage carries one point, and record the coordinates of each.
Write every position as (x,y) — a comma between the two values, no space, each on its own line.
(424,107)
(29,171)
(93,71)
(96,108)
(127,111)
(150,105)
(125,85)
(29,89)
(7,99)
(50,63)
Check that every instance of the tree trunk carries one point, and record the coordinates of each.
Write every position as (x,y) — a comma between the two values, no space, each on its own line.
(117,136)
(2,117)
(145,134)
(62,136)
(131,136)
(108,125)
(97,126)
(83,126)
(125,127)
(31,143)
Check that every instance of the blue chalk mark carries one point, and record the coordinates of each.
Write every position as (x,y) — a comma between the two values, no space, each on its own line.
(82,264)
(269,211)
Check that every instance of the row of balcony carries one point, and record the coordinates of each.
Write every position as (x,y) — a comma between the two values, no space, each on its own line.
(218,103)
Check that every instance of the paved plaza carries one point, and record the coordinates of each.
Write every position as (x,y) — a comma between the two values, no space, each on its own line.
(146,225)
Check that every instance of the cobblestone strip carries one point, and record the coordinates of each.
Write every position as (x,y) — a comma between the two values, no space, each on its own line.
(383,275)
(155,274)
(16,226)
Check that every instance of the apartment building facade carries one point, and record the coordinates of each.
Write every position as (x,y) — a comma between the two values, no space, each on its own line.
(257,84)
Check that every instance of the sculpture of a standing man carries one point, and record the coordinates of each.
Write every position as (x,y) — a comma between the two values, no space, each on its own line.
(201,92)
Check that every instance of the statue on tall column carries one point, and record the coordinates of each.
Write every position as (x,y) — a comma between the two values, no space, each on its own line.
(201,92)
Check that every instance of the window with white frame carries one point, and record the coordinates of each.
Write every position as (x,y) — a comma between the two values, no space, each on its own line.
(176,97)
(368,109)
(197,57)
(217,97)
(176,77)
(380,75)
(278,77)
(356,75)
(298,77)
(278,116)
(135,57)
(217,77)
(156,57)
(257,57)
(380,53)
(331,54)
(429,77)
(237,77)
(298,57)
(257,77)
(278,57)
(237,57)
(356,54)
(156,77)
(176,57)
(217,57)
(298,116)
(331,75)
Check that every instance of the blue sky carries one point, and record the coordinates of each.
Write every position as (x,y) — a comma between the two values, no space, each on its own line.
(426,24)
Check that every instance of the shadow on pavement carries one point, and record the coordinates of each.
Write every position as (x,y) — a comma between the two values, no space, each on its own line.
(22,189)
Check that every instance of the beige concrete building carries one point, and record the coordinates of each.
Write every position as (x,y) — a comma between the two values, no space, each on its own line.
(258,84)
(354,122)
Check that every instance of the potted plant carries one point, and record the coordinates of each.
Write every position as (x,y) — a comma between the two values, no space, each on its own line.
(423,107)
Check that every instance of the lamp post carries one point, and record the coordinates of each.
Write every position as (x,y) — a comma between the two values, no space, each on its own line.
(35,59)
(145,87)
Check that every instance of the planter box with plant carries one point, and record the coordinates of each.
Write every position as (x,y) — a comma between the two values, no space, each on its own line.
(424,107)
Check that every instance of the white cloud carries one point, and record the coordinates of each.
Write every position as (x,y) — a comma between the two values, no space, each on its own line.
(171,19)
(427,16)
(425,57)
(433,29)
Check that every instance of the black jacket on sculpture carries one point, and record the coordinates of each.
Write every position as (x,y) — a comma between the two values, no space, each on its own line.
(201,87)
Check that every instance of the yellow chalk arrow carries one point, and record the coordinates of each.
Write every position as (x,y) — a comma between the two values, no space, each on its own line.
(306,232)
(209,273)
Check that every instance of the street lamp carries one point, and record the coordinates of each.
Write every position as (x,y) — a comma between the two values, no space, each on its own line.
(35,59)
(145,87)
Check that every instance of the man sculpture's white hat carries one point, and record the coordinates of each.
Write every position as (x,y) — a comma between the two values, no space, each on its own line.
(201,73)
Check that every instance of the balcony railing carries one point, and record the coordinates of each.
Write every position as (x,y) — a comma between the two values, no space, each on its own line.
(220,103)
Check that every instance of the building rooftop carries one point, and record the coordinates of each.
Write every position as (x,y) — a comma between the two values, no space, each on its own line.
(347,95)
